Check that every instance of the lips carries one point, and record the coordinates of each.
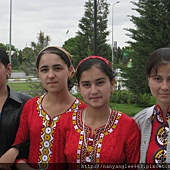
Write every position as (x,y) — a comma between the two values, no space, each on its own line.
(51,82)
(164,94)
(94,98)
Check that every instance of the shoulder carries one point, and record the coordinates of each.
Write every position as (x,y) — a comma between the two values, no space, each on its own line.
(141,116)
(80,103)
(18,96)
(24,96)
(147,112)
(124,120)
(128,125)
(31,102)
(34,99)
(127,119)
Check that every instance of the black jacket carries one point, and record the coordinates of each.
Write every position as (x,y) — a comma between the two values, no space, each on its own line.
(9,119)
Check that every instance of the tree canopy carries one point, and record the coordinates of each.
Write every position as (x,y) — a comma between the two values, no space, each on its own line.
(152,31)
(82,45)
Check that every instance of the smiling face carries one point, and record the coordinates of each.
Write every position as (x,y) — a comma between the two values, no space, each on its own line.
(95,87)
(160,85)
(53,72)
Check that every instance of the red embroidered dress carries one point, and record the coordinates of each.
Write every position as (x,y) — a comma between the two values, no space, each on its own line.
(118,142)
(156,153)
(37,126)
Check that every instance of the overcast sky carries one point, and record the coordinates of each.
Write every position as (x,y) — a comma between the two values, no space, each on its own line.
(54,18)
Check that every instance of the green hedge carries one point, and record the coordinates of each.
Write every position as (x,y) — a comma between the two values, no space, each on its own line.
(127,97)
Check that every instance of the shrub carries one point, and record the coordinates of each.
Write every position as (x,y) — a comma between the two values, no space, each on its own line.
(127,97)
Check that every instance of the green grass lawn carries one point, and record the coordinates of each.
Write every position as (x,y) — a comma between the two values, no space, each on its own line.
(19,86)
(128,109)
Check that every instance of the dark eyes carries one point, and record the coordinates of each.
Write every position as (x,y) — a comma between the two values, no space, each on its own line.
(159,79)
(99,83)
(44,70)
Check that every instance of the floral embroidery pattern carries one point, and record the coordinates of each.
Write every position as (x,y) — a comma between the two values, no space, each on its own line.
(161,137)
(47,133)
(98,136)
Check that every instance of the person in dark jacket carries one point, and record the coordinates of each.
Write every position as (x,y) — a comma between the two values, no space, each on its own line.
(11,104)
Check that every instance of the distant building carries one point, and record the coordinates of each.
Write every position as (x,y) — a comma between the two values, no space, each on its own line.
(119,81)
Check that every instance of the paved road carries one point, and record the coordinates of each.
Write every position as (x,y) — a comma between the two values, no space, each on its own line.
(21,77)
(18,75)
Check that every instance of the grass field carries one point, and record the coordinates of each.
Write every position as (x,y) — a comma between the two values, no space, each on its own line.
(19,86)
(129,109)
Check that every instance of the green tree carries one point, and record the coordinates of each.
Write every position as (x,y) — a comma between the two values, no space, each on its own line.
(15,61)
(29,53)
(152,31)
(43,41)
(3,46)
(14,55)
(118,55)
(82,45)
(29,66)
(72,46)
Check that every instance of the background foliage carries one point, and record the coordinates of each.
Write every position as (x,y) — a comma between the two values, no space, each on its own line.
(152,31)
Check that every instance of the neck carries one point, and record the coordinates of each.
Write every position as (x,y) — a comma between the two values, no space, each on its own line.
(3,91)
(96,118)
(95,122)
(164,109)
(59,98)
(97,113)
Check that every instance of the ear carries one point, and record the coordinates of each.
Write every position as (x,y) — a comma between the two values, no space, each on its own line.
(112,85)
(72,71)
(9,70)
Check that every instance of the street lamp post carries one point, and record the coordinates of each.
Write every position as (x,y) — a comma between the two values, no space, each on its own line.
(95,29)
(10,28)
(112,31)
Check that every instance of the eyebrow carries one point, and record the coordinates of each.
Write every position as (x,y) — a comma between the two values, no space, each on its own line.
(55,65)
(86,81)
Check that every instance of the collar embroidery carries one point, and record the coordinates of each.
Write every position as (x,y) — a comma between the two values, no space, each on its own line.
(82,153)
(47,133)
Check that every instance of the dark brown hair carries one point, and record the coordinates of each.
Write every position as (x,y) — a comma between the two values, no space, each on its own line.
(4,58)
(159,57)
(87,64)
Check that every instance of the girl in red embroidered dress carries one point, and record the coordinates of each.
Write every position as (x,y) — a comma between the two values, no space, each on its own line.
(41,115)
(99,134)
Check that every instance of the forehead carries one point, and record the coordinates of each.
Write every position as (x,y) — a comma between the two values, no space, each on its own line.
(165,67)
(92,74)
(162,69)
(50,59)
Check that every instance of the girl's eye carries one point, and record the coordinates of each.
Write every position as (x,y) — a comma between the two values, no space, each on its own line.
(156,79)
(57,68)
(85,85)
(44,70)
(100,83)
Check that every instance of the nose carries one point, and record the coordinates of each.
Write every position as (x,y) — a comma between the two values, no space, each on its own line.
(51,74)
(94,90)
(165,85)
